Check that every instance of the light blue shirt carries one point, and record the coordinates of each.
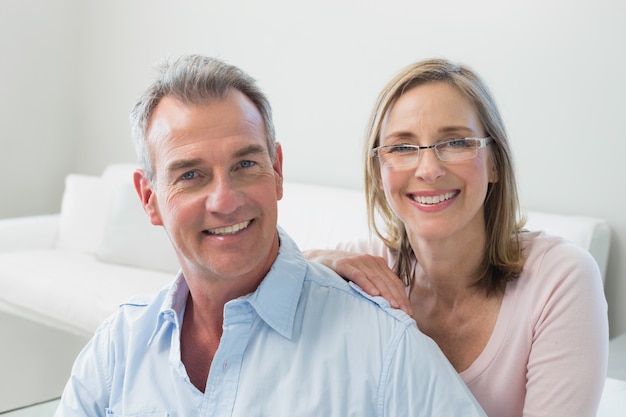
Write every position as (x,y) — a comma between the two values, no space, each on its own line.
(305,343)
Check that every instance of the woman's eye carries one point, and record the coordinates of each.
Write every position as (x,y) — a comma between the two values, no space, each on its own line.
(401,149)
(457,143)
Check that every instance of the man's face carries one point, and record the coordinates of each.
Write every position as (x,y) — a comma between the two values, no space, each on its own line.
(216,188)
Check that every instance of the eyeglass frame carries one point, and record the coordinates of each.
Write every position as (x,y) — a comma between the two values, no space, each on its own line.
(483,142)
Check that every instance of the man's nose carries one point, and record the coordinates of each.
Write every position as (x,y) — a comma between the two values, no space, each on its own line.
(223,196)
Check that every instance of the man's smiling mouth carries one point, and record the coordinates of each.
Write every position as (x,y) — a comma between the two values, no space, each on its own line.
(228,230)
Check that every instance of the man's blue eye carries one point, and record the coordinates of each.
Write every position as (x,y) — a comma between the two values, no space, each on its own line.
(246,164)
(189,175)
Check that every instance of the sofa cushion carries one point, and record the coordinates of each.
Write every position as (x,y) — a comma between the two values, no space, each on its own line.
(84,211)
(130,238)
(69,289)
(320,217)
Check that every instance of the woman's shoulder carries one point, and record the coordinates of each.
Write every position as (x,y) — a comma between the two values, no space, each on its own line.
(551,261)
(539,246)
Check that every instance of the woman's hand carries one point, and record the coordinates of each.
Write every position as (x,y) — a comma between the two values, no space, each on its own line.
(371,273)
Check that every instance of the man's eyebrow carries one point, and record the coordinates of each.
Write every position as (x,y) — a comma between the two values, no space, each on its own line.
(183,164)
(249,150)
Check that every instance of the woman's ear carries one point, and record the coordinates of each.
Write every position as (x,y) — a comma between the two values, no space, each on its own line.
(493,175)
(146,194)
(493,171)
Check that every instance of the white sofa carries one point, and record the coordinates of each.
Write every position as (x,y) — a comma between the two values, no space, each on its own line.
(71,270)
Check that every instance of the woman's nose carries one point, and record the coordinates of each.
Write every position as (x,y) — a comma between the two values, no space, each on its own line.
(429,167)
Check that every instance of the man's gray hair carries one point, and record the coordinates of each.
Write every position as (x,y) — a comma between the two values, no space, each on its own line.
(194,79)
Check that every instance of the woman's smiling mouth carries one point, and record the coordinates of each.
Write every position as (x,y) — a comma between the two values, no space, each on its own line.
(434,199)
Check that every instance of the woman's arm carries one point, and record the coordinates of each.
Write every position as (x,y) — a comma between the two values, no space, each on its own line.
(367,271)
(568,358)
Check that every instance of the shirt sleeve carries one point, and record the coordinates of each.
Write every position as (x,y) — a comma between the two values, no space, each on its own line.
(87,391)
(421,382)
(568,357)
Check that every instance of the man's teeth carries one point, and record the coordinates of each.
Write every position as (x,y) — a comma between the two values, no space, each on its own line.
(229,230)
(434,199)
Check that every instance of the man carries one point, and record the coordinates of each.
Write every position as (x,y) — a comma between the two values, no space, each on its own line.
(249,327)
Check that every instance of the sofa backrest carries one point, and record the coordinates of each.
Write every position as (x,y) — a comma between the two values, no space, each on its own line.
(102,215)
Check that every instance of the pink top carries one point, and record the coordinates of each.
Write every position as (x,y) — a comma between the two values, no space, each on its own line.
(547,355)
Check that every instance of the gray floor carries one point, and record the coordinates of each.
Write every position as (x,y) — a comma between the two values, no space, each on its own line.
(46,409)
(35,361)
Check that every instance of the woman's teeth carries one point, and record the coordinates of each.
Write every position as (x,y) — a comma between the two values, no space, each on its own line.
(434,199)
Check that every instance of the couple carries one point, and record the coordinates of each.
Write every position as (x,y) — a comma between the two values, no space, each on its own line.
(250,327)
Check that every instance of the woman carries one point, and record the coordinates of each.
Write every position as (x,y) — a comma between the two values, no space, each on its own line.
(520,315)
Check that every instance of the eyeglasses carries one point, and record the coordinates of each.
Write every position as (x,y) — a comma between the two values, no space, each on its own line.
(406,156)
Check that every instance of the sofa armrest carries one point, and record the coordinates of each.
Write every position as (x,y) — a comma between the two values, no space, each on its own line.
(29,232)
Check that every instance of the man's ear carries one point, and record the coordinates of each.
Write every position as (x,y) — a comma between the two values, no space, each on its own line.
(278,169)
(146,194)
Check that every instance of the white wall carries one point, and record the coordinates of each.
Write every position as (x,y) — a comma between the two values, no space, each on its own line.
(555,67)
(37,101)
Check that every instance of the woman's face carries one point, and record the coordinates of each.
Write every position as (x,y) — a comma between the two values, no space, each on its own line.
(436,200)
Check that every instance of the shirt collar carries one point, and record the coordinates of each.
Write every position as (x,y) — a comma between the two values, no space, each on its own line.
(173,305)
(275,300)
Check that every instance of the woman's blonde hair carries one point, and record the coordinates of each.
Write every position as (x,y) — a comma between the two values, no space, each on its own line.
(503,260)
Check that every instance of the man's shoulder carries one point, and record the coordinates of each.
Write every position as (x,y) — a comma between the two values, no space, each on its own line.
(350,295)
(138,310)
